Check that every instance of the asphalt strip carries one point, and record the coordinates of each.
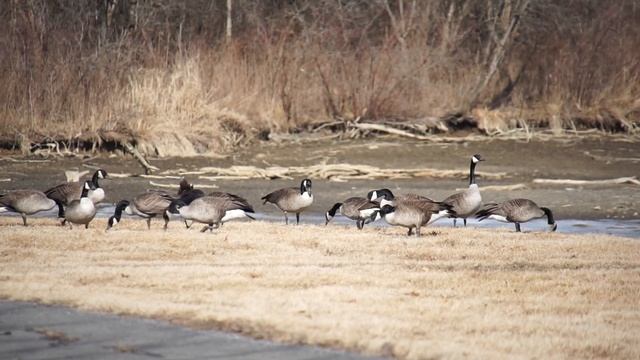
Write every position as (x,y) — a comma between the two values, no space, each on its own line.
(35,331)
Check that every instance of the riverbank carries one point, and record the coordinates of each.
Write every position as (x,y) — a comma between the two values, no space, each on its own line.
(520,163)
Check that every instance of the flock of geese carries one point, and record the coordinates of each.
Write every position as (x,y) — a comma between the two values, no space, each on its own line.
(76,202)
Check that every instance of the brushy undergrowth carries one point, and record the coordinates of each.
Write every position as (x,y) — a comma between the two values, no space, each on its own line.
(164,74)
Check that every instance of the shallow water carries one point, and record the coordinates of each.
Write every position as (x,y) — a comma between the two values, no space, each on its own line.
(625,228)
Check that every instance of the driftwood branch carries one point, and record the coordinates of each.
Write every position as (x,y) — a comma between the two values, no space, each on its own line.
(607,158)
(174,186)
(148,168)
(520,186)
(623,180)
(333,172)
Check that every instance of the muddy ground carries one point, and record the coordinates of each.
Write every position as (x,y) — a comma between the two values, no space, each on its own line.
(577,158)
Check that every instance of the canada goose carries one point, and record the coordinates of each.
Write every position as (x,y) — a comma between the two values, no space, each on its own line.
(212,211)
(147,206)
(117,215)
(467,203)
(26,202)
(355,208)
(291,199)
(68,192)
(81,211)
(413,214)
(187,194)
(388,198)
(517,211)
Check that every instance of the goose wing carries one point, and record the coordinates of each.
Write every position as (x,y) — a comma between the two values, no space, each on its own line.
(280,195)
(155,202)
(414,197)
(65,193)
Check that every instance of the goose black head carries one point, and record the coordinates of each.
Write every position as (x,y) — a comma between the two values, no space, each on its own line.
(111,222)
(381,193)
(86,186)
(184,186)
(305,186)
(332,212)
(99,174)
(175,206)
(476,158)
(387,209)
(117,215)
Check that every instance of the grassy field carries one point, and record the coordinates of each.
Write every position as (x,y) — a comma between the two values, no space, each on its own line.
(453,293)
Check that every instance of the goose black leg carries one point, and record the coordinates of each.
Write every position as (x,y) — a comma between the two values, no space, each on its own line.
(454,222)
(24,219)
(297,218)
(86,226)
(148,223)
(286,218)
(186,224)
(518,227)
(410,232)
(205,228)
(360,224)
(465,222)
(166,221)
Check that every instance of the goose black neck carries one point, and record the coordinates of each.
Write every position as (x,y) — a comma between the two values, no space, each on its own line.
(85,191)
(94,179)
(119,208)
(334,209)
(472,173)
(60,208)
(549,214)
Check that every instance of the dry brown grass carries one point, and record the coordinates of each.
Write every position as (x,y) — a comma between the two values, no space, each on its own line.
(454,293)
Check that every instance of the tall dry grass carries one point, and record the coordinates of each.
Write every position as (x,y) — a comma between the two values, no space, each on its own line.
(162,73)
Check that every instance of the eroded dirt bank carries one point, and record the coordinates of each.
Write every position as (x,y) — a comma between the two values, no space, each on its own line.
(521,161)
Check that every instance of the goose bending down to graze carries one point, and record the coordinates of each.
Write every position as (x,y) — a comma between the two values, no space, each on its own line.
(413,214)
(80,211)
(187,194)
(465,204)
(212,211)
(294,200)
(386,197)
(517,211)
(355,208)
(146,206)
(26,202)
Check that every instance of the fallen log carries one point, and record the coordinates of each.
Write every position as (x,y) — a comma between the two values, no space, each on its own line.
(174,186)
(520,186)
(148,168)
(333,172)
(623,180)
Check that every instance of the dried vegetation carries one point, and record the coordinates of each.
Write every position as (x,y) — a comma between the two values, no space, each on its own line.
(184,78)
(454,293)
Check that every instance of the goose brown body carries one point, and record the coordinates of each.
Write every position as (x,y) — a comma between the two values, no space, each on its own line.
(355,208)
(26,202)
(295,200)
(67,192)
(516,211)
